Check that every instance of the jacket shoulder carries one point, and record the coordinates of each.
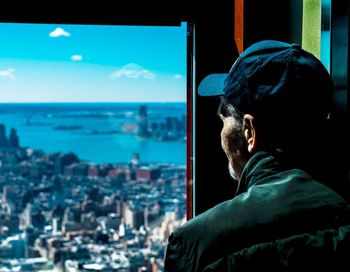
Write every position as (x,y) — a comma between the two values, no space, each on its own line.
(325,250)
(176,257)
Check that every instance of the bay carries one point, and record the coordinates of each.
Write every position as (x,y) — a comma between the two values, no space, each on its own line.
(97,132)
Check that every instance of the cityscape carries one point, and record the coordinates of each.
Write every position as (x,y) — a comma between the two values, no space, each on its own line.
(92,145)
(59,212)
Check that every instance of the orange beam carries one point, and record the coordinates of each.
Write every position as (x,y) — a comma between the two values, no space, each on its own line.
(239,24)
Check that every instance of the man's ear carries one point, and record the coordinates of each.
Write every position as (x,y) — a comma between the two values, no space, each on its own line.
(249,130)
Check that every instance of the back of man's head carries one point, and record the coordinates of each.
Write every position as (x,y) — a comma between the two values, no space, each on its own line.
(285,88)
(289,93)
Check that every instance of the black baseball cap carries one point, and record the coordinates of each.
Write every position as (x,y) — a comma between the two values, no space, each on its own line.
(274,78)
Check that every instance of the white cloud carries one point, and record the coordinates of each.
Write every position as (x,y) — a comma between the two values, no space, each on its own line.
(177,76)
(133,70)
(59,32)
(7,73)
(76,58)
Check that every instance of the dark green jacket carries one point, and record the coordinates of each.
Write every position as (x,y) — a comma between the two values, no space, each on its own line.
(280,220)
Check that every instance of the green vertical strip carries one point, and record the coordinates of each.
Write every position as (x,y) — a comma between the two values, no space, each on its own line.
(311,29)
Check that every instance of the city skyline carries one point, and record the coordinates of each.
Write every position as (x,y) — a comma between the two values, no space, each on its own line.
(49,63)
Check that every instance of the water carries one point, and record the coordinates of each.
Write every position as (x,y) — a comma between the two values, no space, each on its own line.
(94,131)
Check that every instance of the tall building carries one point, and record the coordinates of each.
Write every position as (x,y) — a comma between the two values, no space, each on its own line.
(63,160)
(143,130)
(133,215)
(9,193)
(133,165)
(59,193)
(27,215)
(3,138)
(13,139)
(146,173)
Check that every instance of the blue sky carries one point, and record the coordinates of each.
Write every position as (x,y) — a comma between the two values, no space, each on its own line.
(87,63)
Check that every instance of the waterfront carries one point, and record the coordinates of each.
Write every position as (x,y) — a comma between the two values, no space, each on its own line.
(99,137)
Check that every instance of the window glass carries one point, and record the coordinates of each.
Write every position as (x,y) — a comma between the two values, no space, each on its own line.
(92,145)
(326,33)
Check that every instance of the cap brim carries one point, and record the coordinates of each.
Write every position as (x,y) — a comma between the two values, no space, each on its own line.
(212,85)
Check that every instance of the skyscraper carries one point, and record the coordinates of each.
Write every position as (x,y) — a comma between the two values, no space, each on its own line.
(3,138)
(13,139)
(143,130)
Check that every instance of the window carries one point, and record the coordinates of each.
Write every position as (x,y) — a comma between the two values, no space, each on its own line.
(93,138)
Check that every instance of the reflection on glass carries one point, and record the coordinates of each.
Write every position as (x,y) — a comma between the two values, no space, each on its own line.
(326,33)
(92,146)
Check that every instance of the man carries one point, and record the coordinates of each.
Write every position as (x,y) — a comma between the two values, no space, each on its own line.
(275,102)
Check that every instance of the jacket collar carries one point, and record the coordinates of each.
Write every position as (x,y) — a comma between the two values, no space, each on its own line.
(261,165)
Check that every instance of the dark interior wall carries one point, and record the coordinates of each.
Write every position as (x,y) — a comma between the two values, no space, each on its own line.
(272,19)
(120,17)
(340,31)
(215,52)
